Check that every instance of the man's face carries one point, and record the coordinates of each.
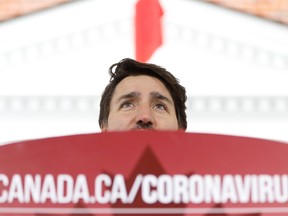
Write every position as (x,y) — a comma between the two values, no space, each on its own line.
(141,102)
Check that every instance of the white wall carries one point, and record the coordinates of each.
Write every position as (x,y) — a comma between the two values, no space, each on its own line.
(54,66)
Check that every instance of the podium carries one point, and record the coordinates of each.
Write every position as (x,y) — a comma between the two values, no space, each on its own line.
(144,173)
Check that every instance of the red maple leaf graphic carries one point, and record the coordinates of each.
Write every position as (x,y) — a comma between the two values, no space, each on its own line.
(147,164)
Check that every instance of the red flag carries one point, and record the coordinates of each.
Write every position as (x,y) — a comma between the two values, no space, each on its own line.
(148,32)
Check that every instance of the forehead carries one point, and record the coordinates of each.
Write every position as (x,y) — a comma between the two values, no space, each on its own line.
(142,83)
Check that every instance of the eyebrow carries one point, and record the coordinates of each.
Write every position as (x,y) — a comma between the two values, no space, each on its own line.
(133,94)
(160,97)
(136,94)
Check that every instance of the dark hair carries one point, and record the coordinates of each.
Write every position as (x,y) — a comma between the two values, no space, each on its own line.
(129,67)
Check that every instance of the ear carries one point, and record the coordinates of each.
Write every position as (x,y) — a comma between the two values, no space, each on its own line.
(104,128)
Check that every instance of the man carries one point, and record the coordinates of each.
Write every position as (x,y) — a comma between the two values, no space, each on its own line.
(142,96)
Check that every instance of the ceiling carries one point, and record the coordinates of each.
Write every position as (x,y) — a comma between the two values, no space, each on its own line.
(10,9)
(275,10)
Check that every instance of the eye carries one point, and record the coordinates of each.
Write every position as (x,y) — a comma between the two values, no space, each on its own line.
(161,106)
(126,104)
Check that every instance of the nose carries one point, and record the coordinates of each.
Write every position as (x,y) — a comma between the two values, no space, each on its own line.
(144,119)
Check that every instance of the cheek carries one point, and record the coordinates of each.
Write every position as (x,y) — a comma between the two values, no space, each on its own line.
(170,123)
(111,119)
(118,121)
(174,125)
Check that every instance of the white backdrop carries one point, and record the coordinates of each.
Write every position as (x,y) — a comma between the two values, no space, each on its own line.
(54,66)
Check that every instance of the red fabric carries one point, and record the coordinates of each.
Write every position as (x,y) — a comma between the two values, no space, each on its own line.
(148,31)
(221,175)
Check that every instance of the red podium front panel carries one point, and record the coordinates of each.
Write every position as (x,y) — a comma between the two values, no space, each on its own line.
(144,173)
